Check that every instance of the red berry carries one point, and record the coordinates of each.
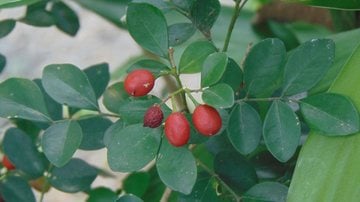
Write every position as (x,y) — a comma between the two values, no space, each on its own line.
(206,120)
(7,164)
(139,82)
(153,117)
(177,129)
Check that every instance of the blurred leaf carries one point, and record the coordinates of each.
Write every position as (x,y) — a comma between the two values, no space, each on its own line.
(68,85)
(2,62)
(204,13)
(99,77)
(75,176)
(16,189)
(344,4)
(112,130)
(176,168)
(6,26)
(183,4)
(160,4)
(155,67)
(61,140)
(302,74)
(266,191)
(156,187)
(22,152)
(233,75)
(37,15)
(129,198)
(101,194)
(16,3)
(65,18)
(203,190)
(180,32)
(244,129)
(263,67)
(22,98)
(281,131)
(213,69)
(219,96)
(286,35)
(137,183)
(147,25)
(93,130)
(132,148)
(235,171)
(332,114)
(194,55)
(114,96)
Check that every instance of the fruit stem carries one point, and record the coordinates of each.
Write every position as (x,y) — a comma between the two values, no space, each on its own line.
(216,176)
(239,4)
(188,92)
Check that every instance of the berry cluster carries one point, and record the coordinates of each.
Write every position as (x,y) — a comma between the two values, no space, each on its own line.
(206,119)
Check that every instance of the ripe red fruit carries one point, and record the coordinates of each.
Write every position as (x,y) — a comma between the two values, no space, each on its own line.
(153,117)
(7,164)
(139,82)
(177,129)
(206,120)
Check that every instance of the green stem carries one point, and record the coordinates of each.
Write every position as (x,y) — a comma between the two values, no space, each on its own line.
(188,92)
(213,174)
(239,4)
(46,183)
(109,115)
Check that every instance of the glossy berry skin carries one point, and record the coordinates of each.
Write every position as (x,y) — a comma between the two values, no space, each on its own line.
(139,82)
(177,129)
(207,120)
(7,164)
(153,117)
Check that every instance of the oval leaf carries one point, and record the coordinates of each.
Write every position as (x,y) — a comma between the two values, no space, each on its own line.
(194,55)
(16,189)
(180,32)
(99,77)
(137,183)
(22,152)
(330,113)
(281,131)
(101,194)
(93,130)
(262,67)
(60,141)
(67,84)
(75,176)
(176,168)
(213,68)
(202,191)
(244,128)
(155,67)
(112,130)
(204,13)
(147,25)
(22,98)
(307,65)
(6,26)
(114,96)
(220,96)
(129,198)
(132,148)
(233,75)
(266,191)
(65,18)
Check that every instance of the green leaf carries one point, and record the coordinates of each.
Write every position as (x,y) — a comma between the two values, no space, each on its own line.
(281,131)
(244,128)
(220,96)
(183,4)
(203,190)
(16,3)
(235,171)
(132,148)
(93,130)
(194,55)
(22,98)
(161,4)
(281,31)
(332,114)
(213,69)
(233,75)
(262,67)
(344,4)
(129,198)
(266,191)
(101,194)
(204,13)
(22,152)
(137,183)
(65,18)
(307,65)
(112,130)
(180,32)
(68,85)
(114,96)
(61,140)
(6,26)
(99,77)
(37,15)
(147,25)
(176,168)
(155,67)
(16,189)
(75,176)
(2,62)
